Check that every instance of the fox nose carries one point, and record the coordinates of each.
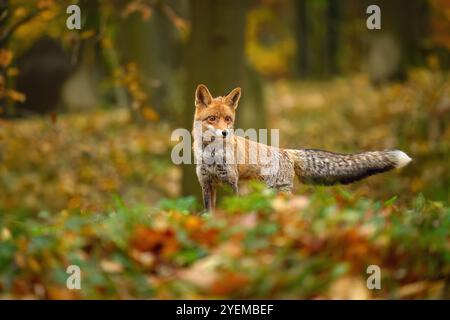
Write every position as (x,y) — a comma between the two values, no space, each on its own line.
(224,133)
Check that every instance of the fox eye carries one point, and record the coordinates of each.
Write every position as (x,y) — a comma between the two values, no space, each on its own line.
(228,119)
(212,118)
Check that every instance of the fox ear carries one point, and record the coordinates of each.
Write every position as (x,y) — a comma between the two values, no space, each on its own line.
(202,96)
(232,99)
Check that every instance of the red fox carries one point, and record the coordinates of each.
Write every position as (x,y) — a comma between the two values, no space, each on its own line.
(223,157)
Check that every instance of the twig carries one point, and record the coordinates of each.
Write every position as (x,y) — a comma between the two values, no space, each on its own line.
(3,15)
(169,12)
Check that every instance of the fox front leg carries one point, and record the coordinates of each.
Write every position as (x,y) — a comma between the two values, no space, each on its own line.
(208,190)
(228,174)
(232,180)
(234,187)
(208,193)
(213,197)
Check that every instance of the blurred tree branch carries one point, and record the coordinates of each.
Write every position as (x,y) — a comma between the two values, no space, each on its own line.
(163,8)
(3,11)
(6,34)
(170,13)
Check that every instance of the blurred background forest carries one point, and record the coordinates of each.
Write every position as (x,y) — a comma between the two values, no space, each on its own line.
(86,177)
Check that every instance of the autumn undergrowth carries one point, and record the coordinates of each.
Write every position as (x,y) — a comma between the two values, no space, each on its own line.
(258,246)
(58,175)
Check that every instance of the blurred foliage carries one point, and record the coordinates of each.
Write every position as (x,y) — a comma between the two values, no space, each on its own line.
(266,247)
(441,23)
(130,78)
(45,17)
(97,190)
(78,161)
(24,22)
(29,21)
(58,178)
(81,159)
(270,45)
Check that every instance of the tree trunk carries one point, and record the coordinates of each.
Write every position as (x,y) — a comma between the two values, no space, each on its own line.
(318,26)
(215,58)
(332,37)
(302,38)
(3,20)
(400,42)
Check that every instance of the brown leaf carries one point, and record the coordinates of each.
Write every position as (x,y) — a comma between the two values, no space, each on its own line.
(229,283)
(159,242)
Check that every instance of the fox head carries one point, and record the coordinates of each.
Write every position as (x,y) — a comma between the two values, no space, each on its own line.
(216,115)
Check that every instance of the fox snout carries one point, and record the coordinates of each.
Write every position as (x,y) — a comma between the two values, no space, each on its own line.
(220,132)
(225,132)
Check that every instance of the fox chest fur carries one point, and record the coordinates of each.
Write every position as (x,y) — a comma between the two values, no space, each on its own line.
(215,161)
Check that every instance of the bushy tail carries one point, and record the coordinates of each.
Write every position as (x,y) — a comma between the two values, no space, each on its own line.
(327,168)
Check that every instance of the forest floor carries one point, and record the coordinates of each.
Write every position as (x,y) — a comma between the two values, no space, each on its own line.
(97,191)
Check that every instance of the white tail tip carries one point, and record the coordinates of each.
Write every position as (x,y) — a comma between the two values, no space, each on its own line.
(402,158)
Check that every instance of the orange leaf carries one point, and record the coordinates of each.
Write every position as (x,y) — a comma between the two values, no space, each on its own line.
(12,72)
(60,293)
(149,114)
(159,242)
(6,57)
(16,95)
